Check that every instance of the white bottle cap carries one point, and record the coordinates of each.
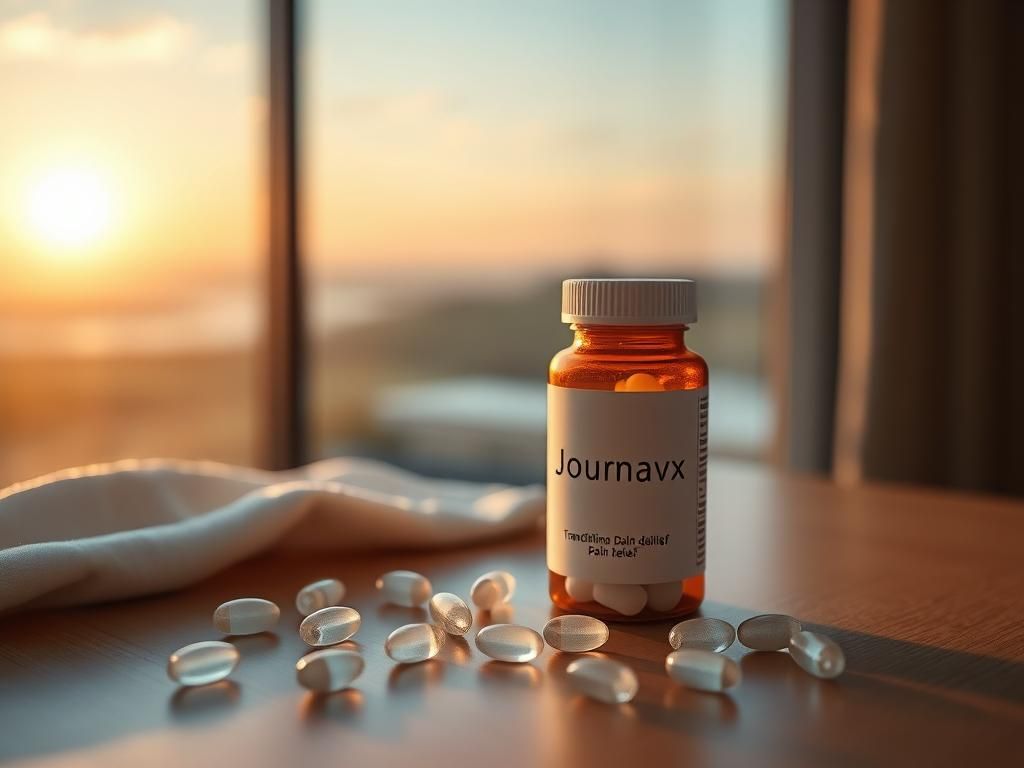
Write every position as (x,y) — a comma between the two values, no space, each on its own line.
(629,301)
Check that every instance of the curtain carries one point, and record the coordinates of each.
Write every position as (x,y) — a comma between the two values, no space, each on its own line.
(923,365)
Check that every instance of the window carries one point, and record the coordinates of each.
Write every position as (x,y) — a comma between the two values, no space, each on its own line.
(131,237)
(460,159)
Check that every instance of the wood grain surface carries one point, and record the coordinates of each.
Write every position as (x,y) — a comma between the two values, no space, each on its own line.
(925,592)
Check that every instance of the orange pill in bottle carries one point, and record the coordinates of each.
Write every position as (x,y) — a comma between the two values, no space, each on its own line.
(627,452)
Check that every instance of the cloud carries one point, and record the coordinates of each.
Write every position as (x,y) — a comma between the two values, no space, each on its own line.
(35,36)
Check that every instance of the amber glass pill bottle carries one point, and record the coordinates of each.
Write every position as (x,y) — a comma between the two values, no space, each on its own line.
(627,452)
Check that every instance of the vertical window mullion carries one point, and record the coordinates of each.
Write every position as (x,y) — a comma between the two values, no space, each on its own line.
(284,413)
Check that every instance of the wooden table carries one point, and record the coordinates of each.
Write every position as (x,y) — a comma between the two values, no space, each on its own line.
(923,590)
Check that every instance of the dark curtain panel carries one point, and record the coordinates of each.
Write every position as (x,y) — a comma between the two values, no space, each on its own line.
(817,97)
(945,401)
(914,132)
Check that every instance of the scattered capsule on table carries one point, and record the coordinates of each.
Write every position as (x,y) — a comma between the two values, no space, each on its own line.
(816,654)
(627,599)
(702,670)
(509,642)
(603,679)
(704,633)
(405,588)
(451,613)
(493,588)
(665,596)
(329,670)
(330,626)
(246,616)
(414,642)
(575,633)
(768,632)
(319,594)
(202,663)
(580,590)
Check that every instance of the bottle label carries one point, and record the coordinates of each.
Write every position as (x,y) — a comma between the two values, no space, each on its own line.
(626,484)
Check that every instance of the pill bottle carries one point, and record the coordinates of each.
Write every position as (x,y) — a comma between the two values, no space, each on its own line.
(627,452)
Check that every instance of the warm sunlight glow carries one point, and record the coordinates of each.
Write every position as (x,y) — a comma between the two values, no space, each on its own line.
(69,207)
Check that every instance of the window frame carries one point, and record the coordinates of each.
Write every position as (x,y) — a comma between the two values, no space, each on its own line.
(283,396)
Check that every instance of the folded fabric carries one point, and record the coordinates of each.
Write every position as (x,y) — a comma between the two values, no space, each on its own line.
(133,528)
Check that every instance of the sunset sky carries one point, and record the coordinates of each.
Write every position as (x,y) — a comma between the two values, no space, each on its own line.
(442,134)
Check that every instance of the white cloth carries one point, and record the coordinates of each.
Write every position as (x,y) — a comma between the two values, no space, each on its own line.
(138,527)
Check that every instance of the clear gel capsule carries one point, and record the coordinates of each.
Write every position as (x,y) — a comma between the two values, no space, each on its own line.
(768,632)
(451,613)
(406,588)
(330,626)
(414,642)
(491,589)
(319,594)
(705,634)
(579,590)
(665,596)
(703,670)
(509,642)
(816,654)
(603,679)
(575,633)
(329,670)
(202,663)
(246,616)
(627,599)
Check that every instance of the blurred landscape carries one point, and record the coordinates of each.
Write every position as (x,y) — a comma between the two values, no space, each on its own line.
(483,355)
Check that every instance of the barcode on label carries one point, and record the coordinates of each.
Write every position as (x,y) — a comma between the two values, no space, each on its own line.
(702,474)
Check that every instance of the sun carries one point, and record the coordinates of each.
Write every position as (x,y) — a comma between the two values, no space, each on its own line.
(69,208)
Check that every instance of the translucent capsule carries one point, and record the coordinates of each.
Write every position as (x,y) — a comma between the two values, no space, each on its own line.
(414,642)
(579,590)
(627,599)
(665,596)
(246,616)
(768,632)
(575,633)
(509,642)
(491,589)
(319,594)
(705,634)
(202,663)
(451,613)
(816,654)
(703,670)
(406,588)
(330,626)
(603,679)
(329,670)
